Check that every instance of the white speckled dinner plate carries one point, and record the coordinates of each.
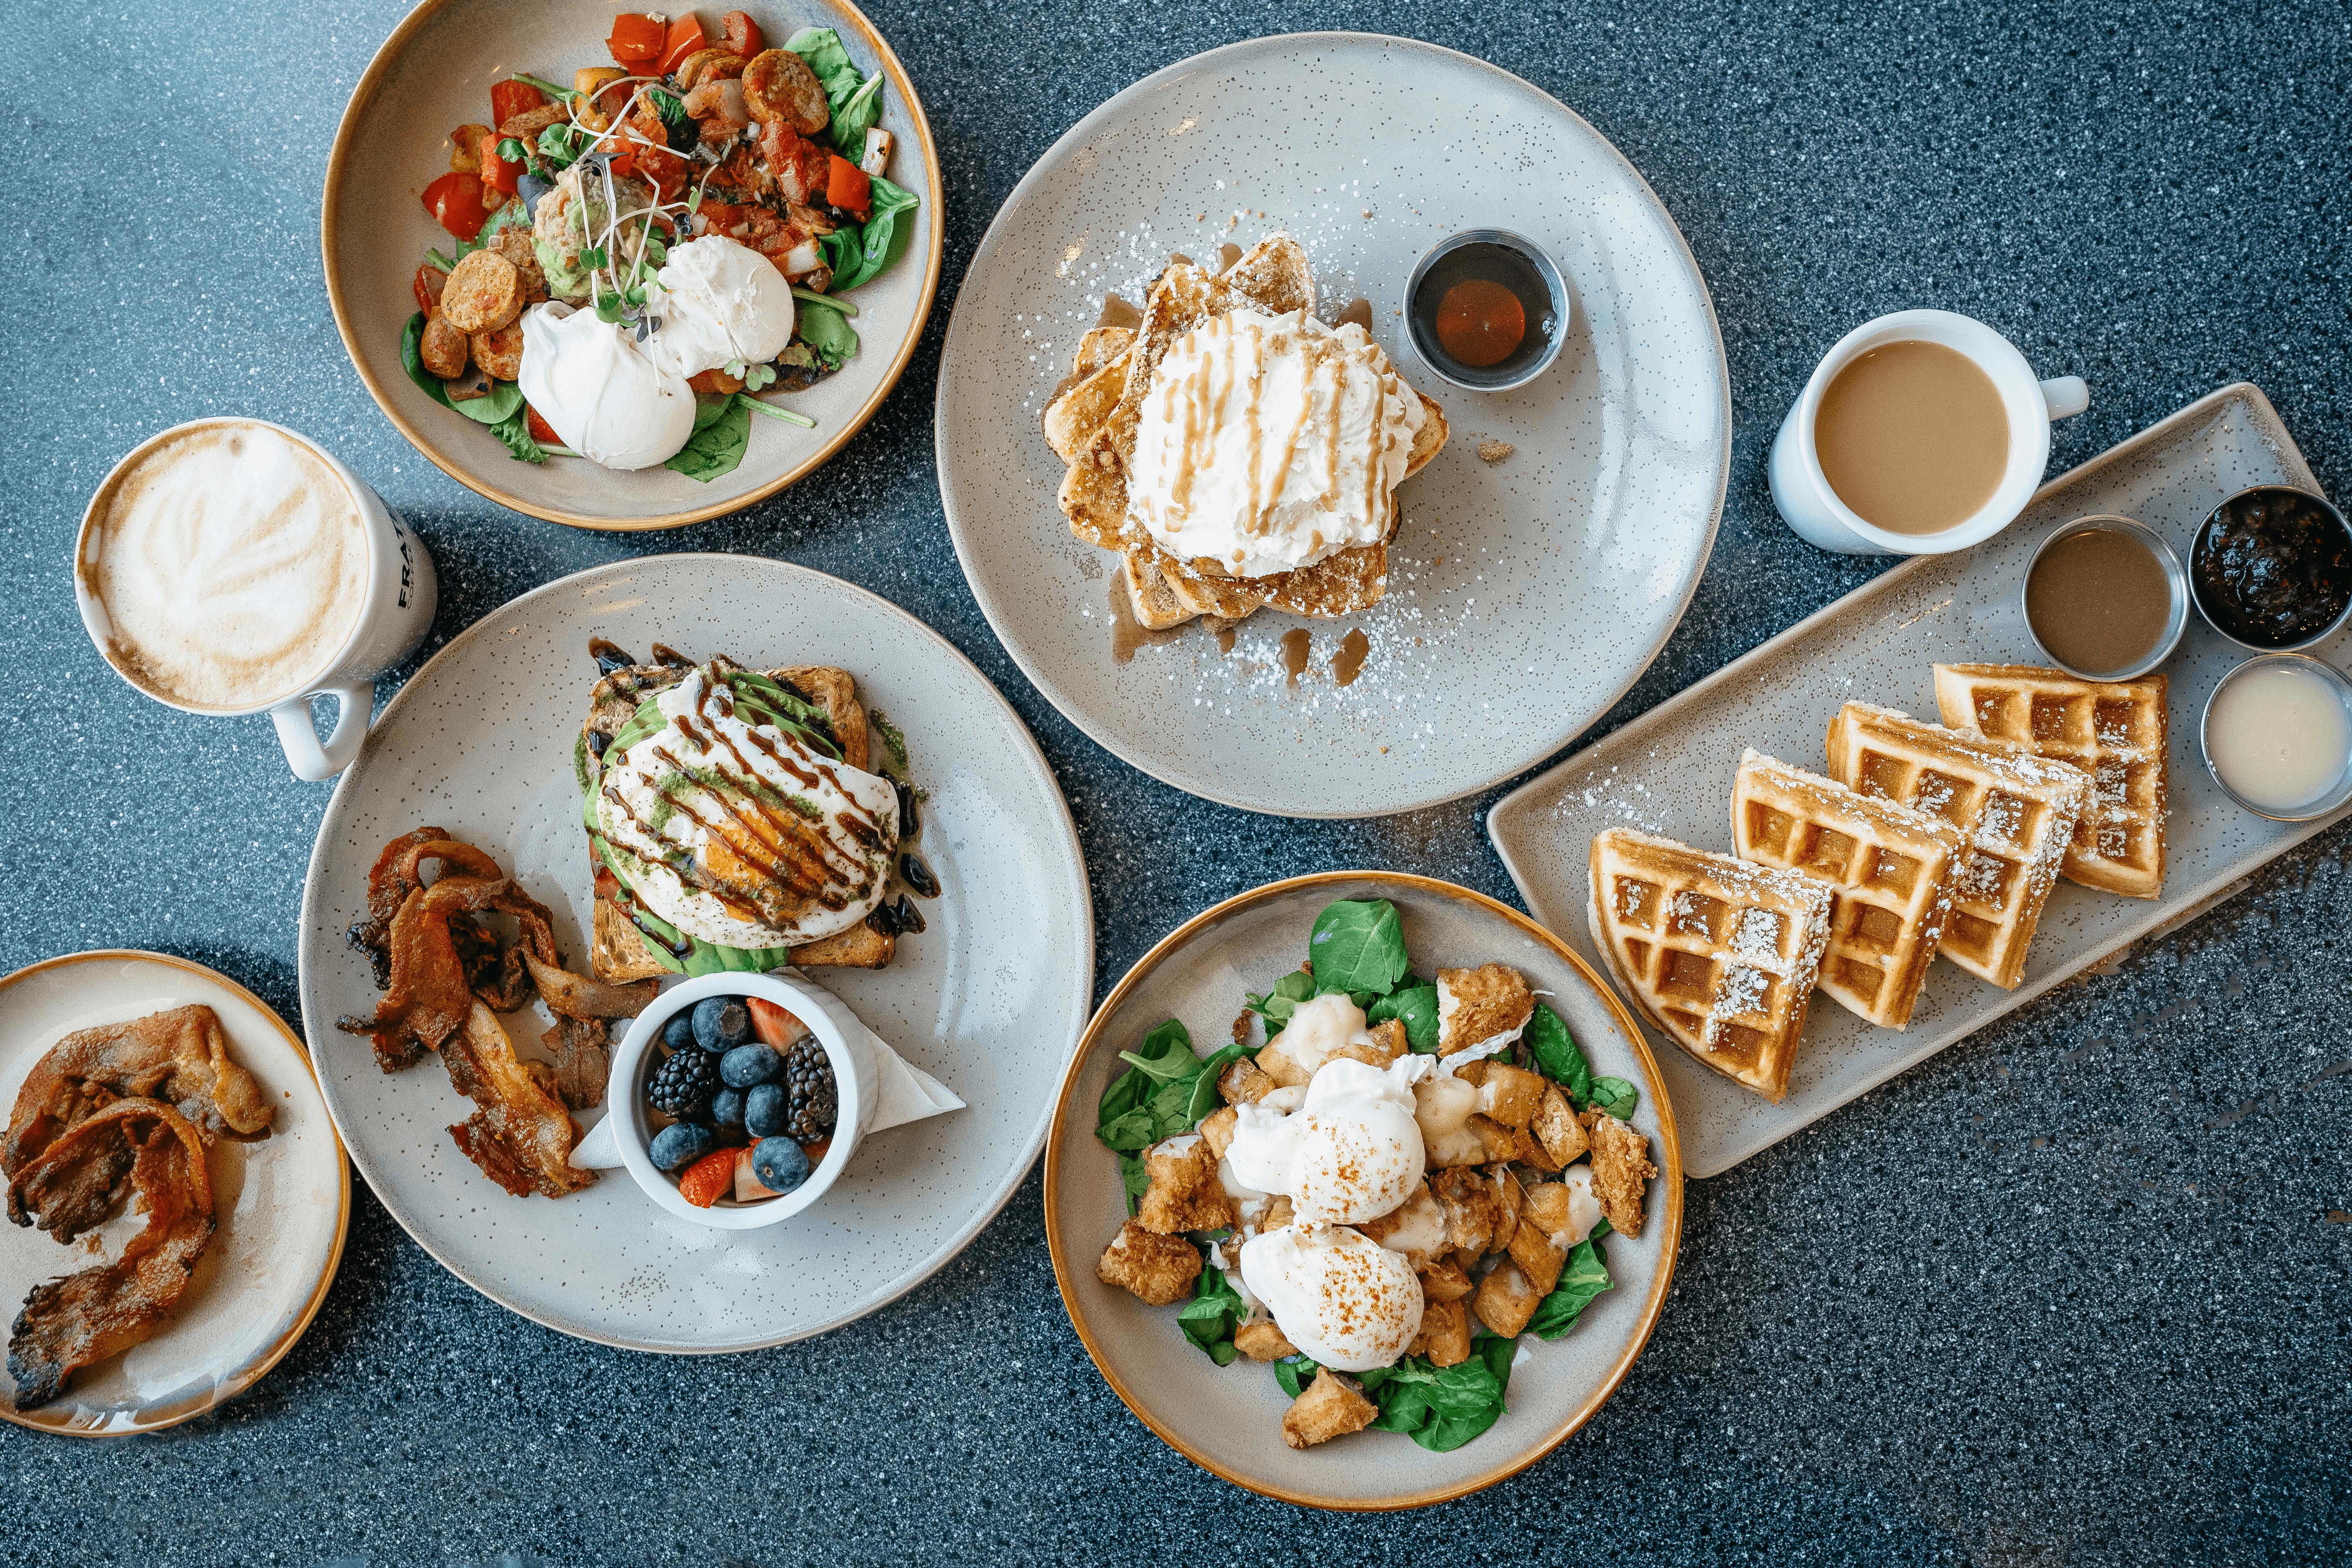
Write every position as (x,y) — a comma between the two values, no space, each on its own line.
(433,74)
(1524,596)
(1229,1419)
(281,1204)
(988,999)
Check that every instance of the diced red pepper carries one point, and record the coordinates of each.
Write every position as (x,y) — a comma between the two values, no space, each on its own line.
(456,203)
(500,174)
(848,186)
(684,37)
(635,40)
(541,432)
(741,35)
(428,283)
(509,99)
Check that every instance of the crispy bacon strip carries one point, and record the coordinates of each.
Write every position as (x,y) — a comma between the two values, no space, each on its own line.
(387,891)
(521,1136)
(179,1056)
(83,1318)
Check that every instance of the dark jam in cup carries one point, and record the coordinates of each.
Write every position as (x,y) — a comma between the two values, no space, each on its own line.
(1483,314)
(2272,567)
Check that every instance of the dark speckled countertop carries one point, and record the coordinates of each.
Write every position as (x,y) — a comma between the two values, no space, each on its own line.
(2073,1292)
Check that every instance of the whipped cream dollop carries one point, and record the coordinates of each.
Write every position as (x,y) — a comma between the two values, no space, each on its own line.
(717,302)
(608,402)
(1341,1297)
(784,845)
(1352,1153)
(1270,442)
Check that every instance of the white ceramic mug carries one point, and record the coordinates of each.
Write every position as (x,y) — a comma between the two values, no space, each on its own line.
(1812,507)
(400,594)
(625,1138)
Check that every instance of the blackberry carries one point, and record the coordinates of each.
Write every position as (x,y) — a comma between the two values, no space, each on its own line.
(682,1083)
(815,1099)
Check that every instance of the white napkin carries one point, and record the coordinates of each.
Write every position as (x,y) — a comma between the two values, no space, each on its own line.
(908,1093)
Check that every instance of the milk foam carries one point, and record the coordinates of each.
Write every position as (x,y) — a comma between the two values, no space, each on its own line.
(232,563)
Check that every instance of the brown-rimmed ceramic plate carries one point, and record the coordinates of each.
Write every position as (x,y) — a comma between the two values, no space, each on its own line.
(283,1203)
(433,75)
(1229,1419)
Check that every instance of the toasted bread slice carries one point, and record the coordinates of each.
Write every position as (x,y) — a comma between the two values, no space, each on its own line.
(1099,347)
(1156,608)
(1072,419)
(617,951)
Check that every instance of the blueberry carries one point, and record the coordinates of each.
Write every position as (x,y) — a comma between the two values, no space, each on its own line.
(747,1065)
(678,1032)
(767,1110)
(780,1163)
(727,1108)
(721,1023)
(681,1143)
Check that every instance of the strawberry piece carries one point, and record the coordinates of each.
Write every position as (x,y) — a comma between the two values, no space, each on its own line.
(709,1179)
(775,1026)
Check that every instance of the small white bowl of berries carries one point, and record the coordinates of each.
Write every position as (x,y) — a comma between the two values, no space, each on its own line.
(736,1099)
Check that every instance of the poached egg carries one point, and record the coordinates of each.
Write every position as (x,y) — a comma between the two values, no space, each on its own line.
(1352,1153)
(1341,1297)
(607,402)
(717,302)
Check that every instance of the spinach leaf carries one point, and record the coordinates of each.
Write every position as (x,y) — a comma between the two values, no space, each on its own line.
(722,429)
(1583,1277)
(1135,1178)
(1166,1089)
(1616,1097)
(411,360)
(1416,1005)
(1295,1372)
(844,255)
(821,47)
(1556,1055)
(1358,945)
(854,116)
(886,239)
(1166,1053)
(515,433)
(1277,1005)
(1204,1097)
(1213,1314)
(827,331)
(1443,1408)
(501,403)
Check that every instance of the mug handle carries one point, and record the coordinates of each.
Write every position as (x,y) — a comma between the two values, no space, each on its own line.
(311,761)
(2067,395)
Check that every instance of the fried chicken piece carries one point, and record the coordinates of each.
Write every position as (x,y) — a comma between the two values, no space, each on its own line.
(83,1318)
(1185,1192)
(1332,1406)
(1620,1168)
(1160,1270)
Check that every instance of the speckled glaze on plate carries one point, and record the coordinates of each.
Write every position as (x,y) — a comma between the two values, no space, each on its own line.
(1524,596)
(1670,771)
(282,1203)
(989,998)
(433,75)
(1229,1419)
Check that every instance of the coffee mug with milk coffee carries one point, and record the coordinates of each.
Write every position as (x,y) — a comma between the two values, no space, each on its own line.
(1920,432)
(230,566)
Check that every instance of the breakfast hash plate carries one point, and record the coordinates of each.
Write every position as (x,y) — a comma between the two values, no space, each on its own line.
(1230,1419)
(1524,595)
(394,139)
(1670,772)
(281,1204)
(987,998)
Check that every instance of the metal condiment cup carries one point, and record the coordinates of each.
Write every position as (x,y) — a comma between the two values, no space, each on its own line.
(2175,574)
(2207,527)
(2336,798)
(1554,284)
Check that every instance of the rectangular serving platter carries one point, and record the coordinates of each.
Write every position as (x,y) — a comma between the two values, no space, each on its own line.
(1670,771)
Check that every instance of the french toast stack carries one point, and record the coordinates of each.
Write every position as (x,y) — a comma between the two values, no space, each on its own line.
(1922,839)
(1091,426)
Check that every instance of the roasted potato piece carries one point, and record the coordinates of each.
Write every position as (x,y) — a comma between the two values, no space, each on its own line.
(1501,1143)
(1508,1199)
(779,84)
(1415,1227)
(1158,1269)
(1532,1250)
(1621,1167)
(1444,1280)
(1511,1095)
(1471,1209)
(1444,1335)
(1331,1407)
(500,353)
(1217,1131)
(1387,1043)
(1557,1128)
(444,348)
(466,148)
(1507,1299)
(484,293)
(1279,1214)
(1243,1084)
(1261,1341)
(1276,1064)
(526,126)
(1185,1193)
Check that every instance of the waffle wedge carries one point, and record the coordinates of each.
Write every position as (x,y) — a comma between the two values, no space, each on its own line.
(2016,810)
(2113,731)
(1091,424)
(1892,868)
(1719,954)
